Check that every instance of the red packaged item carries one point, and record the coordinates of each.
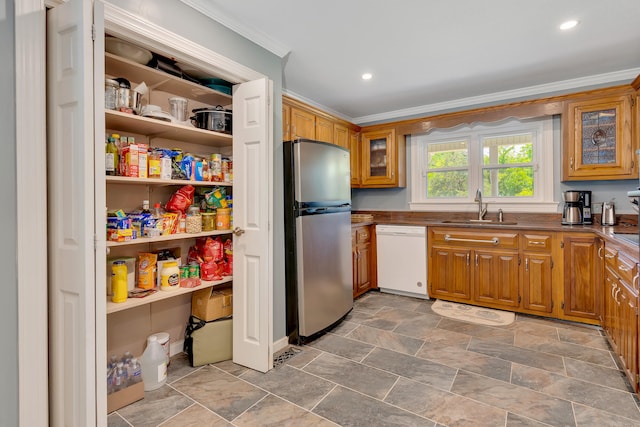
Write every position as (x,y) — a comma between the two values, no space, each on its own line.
(213,250)
(209,271)
(181,199)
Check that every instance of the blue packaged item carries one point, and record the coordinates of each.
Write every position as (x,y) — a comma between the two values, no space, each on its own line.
(186,166)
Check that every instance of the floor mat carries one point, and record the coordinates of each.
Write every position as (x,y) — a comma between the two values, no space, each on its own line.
(470,313)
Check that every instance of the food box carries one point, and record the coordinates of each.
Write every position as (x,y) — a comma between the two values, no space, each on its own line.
(125,397)
(209,304)
(143,149)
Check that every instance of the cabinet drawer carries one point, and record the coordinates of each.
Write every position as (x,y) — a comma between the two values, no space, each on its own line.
(536,242)
(490,238)
(621,265)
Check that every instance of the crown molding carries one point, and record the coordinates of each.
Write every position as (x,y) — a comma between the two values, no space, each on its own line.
(312,103)
(259,38)
(549,88)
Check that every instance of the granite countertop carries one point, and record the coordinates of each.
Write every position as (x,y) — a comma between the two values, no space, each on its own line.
(626,225)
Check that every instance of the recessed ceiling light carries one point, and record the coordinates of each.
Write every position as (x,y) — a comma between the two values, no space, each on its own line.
(567,25)
(367,76)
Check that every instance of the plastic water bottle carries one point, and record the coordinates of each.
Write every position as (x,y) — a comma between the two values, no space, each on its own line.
(154,365)
(120,377)
(136,372)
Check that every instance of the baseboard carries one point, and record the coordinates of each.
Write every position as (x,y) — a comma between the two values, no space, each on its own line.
(403,293)
(280,344)
(176,347)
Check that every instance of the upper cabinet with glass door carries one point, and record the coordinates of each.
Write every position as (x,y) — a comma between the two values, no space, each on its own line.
(597,138)
(382,159)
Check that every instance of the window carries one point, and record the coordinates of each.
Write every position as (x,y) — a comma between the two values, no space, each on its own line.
(511,162)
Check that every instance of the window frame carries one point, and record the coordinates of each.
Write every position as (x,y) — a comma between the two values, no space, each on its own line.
(541,202)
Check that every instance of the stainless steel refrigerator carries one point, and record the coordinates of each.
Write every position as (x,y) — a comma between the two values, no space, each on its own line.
(318,263)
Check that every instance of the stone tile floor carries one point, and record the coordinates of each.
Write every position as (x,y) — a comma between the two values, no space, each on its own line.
(394,362)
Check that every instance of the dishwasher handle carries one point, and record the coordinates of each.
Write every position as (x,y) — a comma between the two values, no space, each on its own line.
(494,240)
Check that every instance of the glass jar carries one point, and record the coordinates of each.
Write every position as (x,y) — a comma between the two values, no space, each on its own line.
(208,221)
(110,94)
(194,220)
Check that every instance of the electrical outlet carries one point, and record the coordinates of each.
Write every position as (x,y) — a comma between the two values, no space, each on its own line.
(596,208)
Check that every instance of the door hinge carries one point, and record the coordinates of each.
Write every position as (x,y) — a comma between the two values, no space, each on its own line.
(519,262)
(561,244)
(93,33)
(519,299)
(562,305)
(552,304)
(551,262)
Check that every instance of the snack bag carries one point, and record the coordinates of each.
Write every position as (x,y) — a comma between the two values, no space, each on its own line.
(181,199)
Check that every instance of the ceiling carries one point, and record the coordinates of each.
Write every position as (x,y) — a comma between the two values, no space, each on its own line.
(436,55)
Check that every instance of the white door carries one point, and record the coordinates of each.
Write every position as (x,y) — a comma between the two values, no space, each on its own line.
(70,136)
(252,169)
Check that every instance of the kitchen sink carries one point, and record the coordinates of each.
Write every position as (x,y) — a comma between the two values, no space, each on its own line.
(478,222)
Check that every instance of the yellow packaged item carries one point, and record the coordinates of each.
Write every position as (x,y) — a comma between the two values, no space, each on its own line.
(147,270)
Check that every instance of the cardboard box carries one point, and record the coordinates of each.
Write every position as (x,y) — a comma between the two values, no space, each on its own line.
(143,149)
(209,304)
(125,397)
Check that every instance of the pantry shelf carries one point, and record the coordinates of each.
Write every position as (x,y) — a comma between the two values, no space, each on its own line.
(178,236)
(113,307)
(125,122)
(117,66)
(160,182)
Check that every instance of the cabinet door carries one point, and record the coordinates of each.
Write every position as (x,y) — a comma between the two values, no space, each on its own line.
(286,122)
(354,262)
(378,156)
(610,309)
(582,278)
(536,282)
(364,267)
(324,130)
(628,346)
(450,273)
(496,277)
(354,150)
(303,124)
(341,136)
(598,140)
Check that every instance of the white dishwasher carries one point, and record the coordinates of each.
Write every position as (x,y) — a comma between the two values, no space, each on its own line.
(402,259)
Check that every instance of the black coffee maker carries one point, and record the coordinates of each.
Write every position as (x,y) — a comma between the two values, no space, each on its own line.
(577,207)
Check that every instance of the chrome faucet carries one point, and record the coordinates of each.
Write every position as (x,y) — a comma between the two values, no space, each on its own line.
(481,211)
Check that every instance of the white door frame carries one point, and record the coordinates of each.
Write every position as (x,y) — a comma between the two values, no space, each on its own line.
(31,158)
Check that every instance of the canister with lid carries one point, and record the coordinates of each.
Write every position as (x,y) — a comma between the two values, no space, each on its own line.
(194,219)
(170,276)
(208,221)
(110,94)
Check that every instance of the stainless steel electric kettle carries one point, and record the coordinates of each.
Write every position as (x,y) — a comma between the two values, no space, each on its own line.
(608,213)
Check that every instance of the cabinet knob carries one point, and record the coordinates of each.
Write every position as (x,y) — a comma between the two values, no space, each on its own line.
(238,231)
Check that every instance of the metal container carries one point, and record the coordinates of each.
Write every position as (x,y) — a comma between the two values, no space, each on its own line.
(608,214)
(571,196)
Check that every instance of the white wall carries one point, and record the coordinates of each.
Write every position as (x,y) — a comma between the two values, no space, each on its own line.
(398,198)
(8,224)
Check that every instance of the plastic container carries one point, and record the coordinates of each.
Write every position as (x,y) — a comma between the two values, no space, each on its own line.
(163,340)
(208,221)
(110,94)
(170,276)
(223,219)
(119,281)
(194,220)
(154,164)
(178,108)
(154,365)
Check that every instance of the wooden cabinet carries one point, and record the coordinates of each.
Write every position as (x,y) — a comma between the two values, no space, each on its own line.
(341,136)
(470,266)
(364,272)
(303,124)
(286,122)
(536,277)
(620,318)
(582,276)
(382,157)
(354,150)
(597,138)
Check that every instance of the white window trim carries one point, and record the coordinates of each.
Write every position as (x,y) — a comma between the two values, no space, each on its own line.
(543,201)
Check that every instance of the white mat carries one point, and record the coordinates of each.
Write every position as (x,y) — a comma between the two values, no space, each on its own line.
(470,313)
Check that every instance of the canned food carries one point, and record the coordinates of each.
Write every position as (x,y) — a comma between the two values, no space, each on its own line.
(194,271)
